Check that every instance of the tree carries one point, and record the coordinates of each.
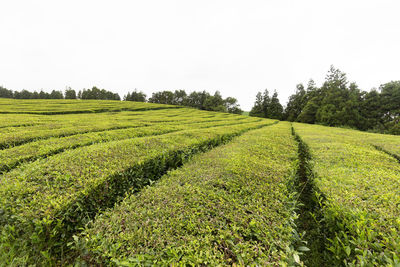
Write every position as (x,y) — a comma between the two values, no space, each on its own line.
(56,95)
(232,106)
(295,104)
(309,112)
(372,110)
(197,99)
(257,109)
(24,94)
(275,109)
(390,100)
(5,93)
(70,93)
(96,93)
(266,104)
(267,107)
(135,96)
(180,98)
(390,97)
(43,95)
(162,97)
(215,103)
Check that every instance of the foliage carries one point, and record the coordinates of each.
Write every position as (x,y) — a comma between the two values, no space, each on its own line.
(44,202)
(96,93)
(52,107)
(338,103)
(5,93)
(144,125)
(200,100)
(267,107)
(358,189)
(69,166)
(70,93)
(135,96)
(229,206)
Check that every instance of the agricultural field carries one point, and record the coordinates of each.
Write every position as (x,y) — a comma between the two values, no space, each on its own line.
(356,176)
(111,183)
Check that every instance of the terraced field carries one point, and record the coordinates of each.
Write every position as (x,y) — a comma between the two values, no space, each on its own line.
(103,183)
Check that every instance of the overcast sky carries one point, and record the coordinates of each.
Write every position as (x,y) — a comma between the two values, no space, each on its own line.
(236,47)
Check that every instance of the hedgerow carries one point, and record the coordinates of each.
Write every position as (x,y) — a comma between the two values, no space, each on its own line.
(67,125)
(53,107)
(359,192)
(388,143)
(12,157)
(229,206)
(13,136)
(45,202)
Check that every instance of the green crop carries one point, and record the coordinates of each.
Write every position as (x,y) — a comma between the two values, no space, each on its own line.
(125,183)
(359,189)
(228,206)
(51,107)
(48,200)
(11,157)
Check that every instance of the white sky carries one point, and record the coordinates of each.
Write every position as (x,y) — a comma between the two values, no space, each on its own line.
(236,47)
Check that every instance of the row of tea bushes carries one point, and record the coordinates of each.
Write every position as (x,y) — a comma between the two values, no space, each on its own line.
(66,120)
(229,206)
(12,157)
(360,196)
(51,107)
(45,202)
(67,125)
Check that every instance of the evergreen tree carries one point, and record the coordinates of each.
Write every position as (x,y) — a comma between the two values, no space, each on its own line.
(295,104)
(257,109)
(135,96)
(266,104)
(275,110)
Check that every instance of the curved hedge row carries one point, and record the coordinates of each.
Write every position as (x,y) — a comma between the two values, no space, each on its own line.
(229,206)
(360,200)
(45,202)
(52,107)
(12,157)
(69,125)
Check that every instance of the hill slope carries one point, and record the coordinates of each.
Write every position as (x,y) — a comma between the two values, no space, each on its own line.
(125,183)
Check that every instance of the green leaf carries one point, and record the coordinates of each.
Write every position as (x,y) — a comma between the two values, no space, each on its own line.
(348,250)
(303,248)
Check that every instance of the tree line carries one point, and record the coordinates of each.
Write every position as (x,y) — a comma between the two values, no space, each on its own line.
(337,103)
(200,100)
(94,93)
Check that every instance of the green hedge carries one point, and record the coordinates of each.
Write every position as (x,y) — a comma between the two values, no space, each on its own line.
(45,202)
(229,206)
(359,191)
(68,125)
(52,107)
(12,157)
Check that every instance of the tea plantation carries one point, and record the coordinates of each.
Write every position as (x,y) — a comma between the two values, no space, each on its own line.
(111,183)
